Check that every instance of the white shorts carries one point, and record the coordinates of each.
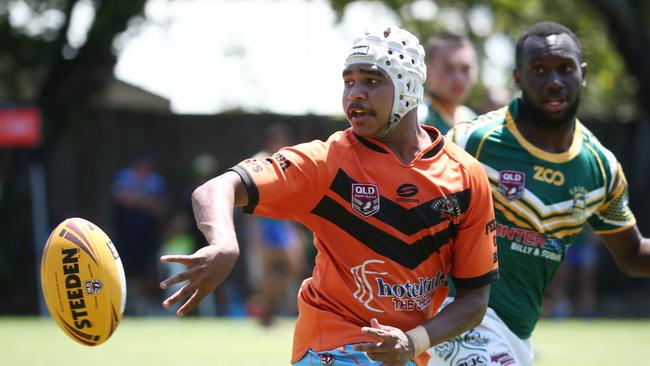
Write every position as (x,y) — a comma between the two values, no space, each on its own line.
(491,343)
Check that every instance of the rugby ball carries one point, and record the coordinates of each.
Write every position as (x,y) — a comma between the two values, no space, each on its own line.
(83,281)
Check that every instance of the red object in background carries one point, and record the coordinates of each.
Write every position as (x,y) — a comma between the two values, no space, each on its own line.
(20,127)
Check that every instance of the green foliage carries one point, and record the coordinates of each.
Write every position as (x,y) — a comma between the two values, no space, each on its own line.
(29,47)
(39,65)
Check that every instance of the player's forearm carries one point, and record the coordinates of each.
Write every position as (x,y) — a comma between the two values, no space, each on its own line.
(631,251)
(213,204)
(639,264)
(464,313)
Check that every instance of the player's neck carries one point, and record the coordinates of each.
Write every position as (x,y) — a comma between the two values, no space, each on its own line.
(553,137)
(407,140)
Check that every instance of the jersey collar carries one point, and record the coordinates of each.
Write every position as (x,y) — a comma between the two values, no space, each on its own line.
(572,152)
(431,151)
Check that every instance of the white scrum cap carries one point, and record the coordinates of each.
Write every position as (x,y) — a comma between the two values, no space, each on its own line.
(398,53)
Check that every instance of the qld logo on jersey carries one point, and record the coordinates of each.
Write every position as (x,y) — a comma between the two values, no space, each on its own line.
(365,199)
(512,184)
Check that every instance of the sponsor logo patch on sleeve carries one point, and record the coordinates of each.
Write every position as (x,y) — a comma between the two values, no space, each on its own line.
(282,161)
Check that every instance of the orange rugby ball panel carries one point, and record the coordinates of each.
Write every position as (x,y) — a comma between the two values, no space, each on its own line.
(83,281)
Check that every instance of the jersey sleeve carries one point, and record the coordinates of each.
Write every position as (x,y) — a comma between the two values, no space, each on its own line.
(468,134)
(475,257)
(460,133)
(614,214)
(287,183)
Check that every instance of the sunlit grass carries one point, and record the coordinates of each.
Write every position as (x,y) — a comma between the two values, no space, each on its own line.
(193,341)
(149,341)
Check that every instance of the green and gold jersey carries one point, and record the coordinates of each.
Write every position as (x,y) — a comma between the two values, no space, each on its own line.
(429,115)
(542,201)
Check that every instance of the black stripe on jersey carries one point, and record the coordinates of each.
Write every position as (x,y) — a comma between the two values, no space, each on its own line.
(370,145)
(407,221)
(476,282)
(409,256)
(251,188)
(431,153)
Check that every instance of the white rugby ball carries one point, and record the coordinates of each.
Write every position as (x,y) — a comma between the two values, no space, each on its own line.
(83,281)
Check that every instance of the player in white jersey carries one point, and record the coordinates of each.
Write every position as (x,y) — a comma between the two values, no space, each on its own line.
(549,177)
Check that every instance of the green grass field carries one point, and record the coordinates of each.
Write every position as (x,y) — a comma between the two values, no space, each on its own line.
(210,341)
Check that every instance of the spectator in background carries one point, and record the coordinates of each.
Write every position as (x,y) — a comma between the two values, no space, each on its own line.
(451,72)
(276,247)
(139,197)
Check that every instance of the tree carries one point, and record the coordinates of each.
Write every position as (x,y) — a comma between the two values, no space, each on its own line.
(627,23)
(40,65)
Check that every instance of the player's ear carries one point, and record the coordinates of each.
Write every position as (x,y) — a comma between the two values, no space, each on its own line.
(516,76)
(583,69)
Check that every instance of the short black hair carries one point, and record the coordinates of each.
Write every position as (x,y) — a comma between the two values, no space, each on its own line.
(544,29)
(445,40)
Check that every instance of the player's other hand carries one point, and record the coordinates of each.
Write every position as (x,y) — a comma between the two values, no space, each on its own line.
(207,268)
(393,349)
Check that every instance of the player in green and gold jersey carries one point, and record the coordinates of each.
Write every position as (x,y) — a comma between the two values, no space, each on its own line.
(451,72)
(549,177)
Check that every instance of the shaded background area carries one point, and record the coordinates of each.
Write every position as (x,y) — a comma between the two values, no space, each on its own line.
(80,174)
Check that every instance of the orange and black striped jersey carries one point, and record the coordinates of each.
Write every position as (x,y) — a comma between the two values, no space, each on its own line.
(388,234)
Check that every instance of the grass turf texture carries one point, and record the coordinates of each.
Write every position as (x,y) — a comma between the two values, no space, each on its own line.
(209,341)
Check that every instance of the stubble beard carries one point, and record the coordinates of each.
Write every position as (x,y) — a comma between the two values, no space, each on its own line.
(540,117)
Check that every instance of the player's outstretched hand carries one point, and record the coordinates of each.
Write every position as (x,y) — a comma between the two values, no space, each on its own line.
(394,348)
(207,268)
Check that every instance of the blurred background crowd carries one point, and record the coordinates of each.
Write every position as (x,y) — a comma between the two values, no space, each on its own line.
(85,132)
